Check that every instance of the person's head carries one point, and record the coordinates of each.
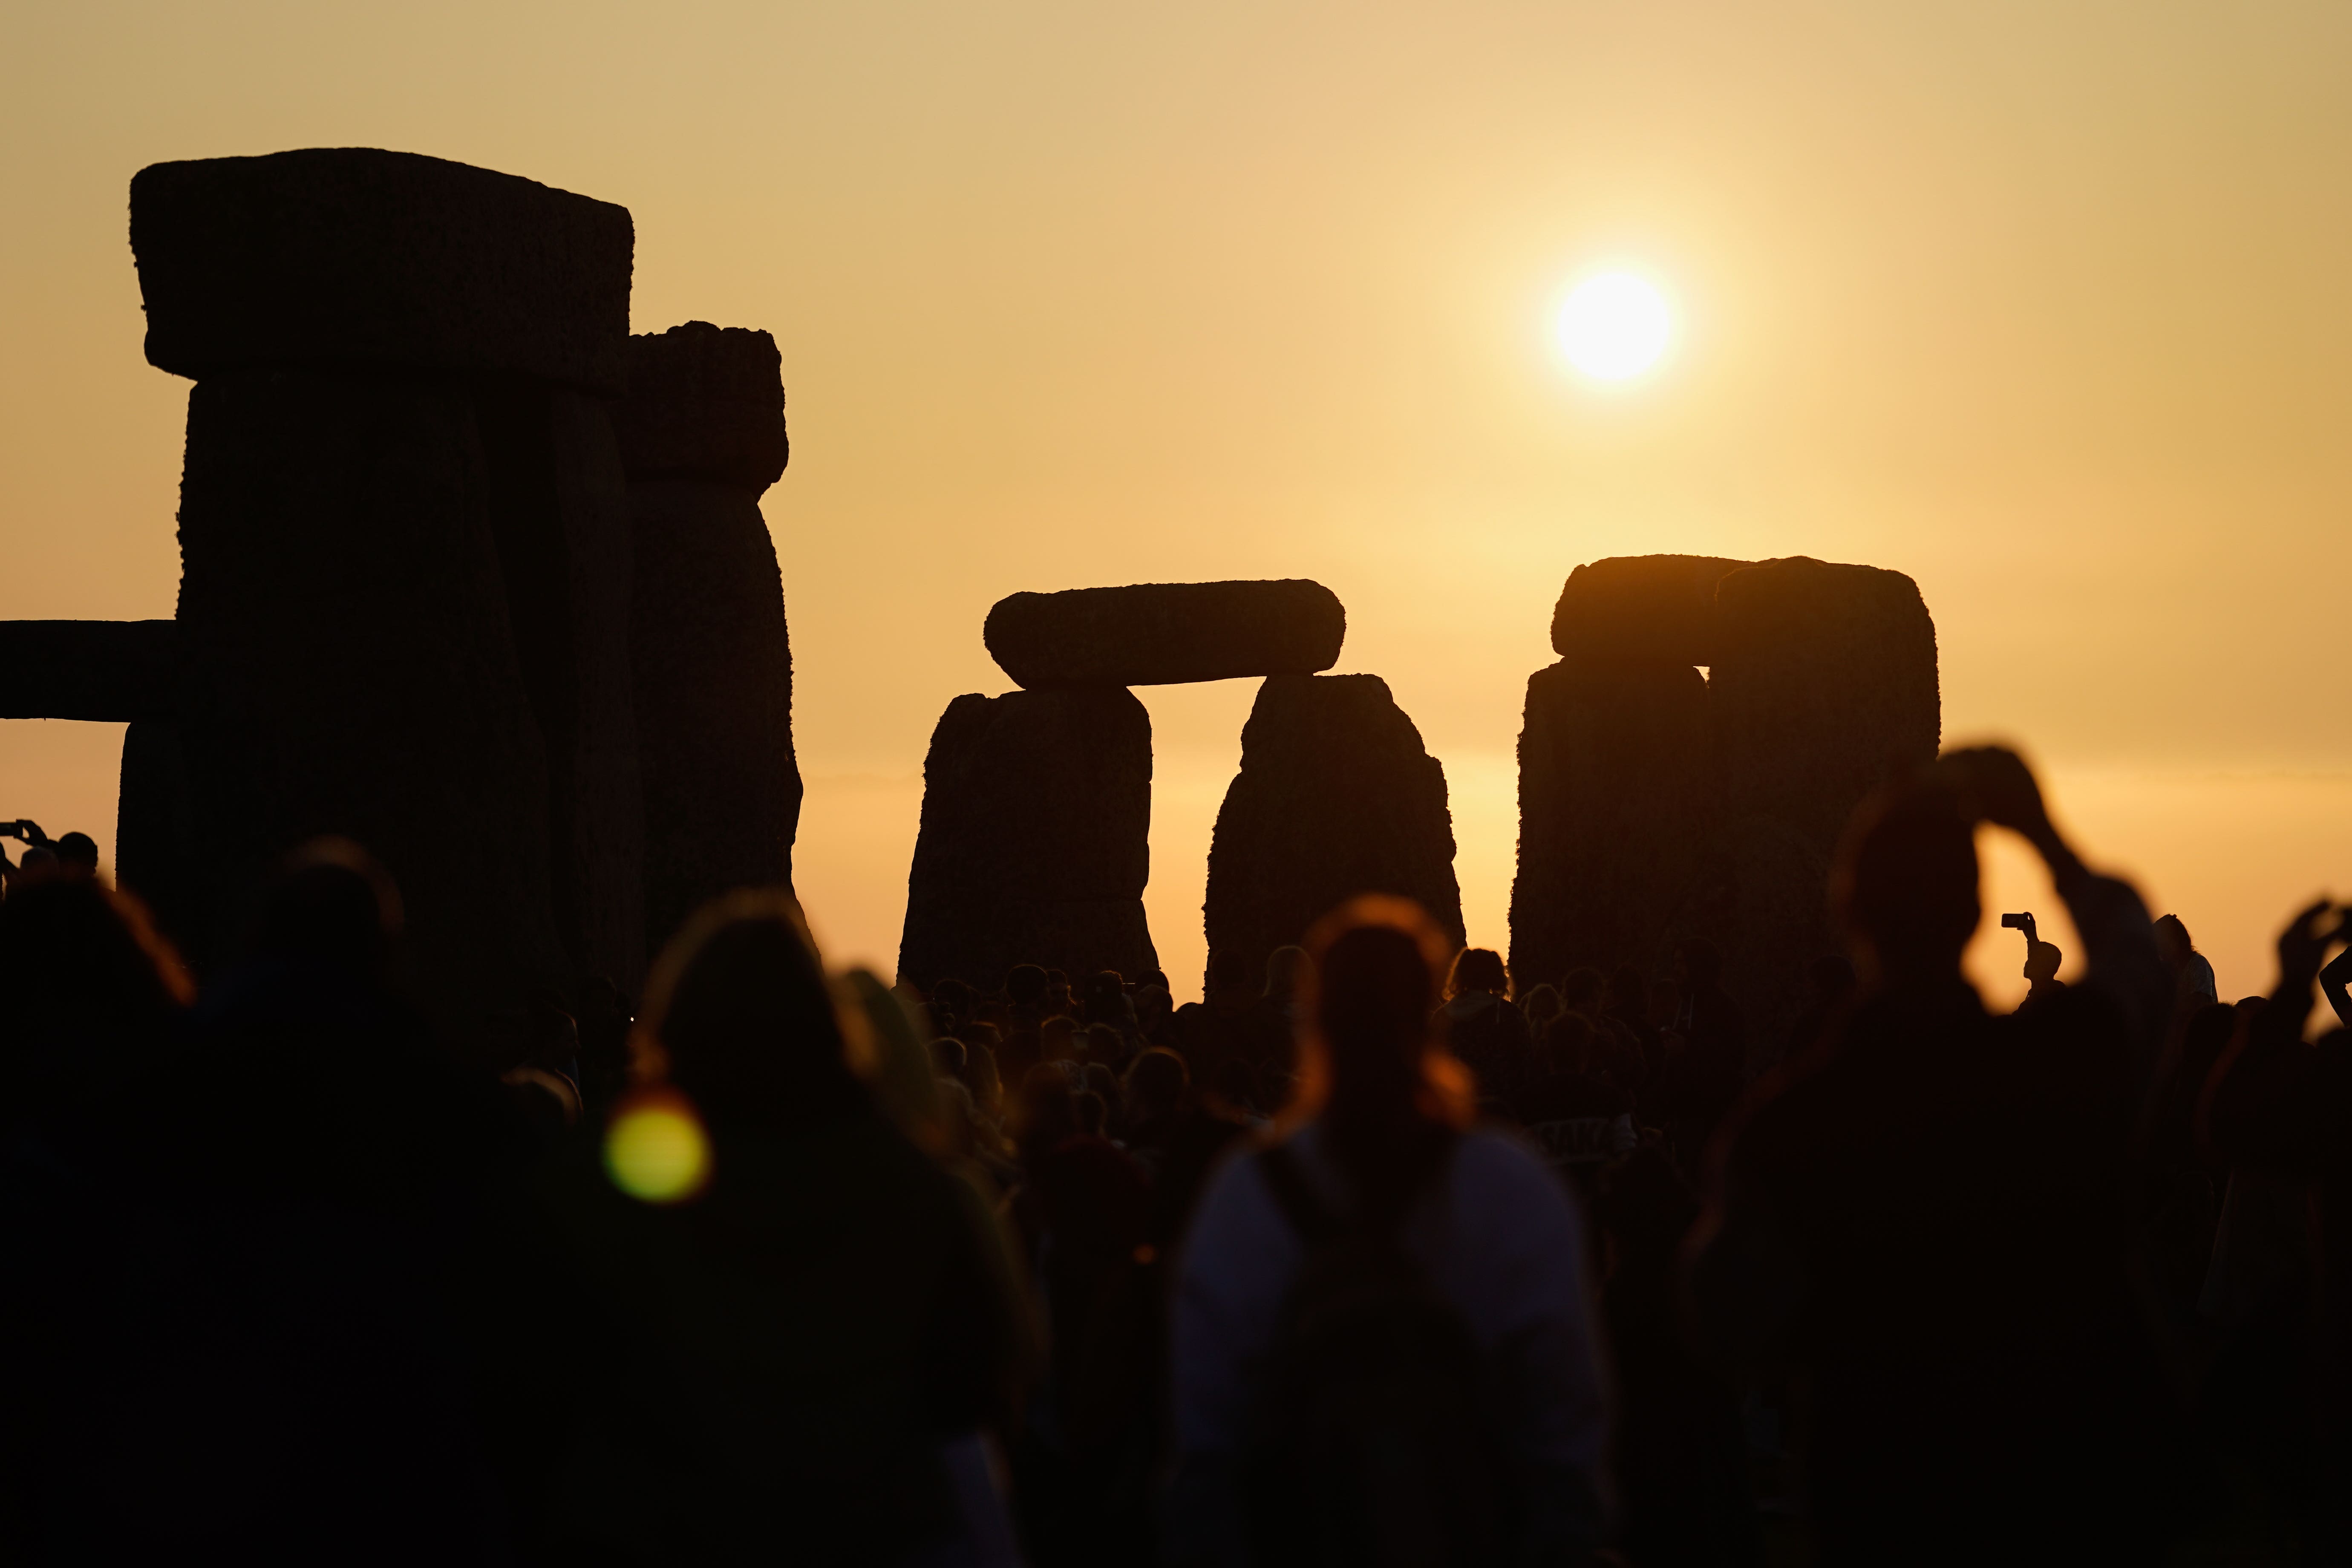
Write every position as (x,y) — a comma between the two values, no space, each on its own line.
(950,1056)
(1025,985)
(1151,977)
(1905,885)
(1563,1047)
(1832,977)
(1698,962)
(951,1004)
(1151,1008)
(2041,960)
(39,864)
(1231,969)
(1371,1065)
(77,855)
(1479,969)
(2172,941)
(2202,1042)
(1282,967)
(1046,1113)
(1106,996)
(1156,1082)
(1541,1005)
(1092,1114)
(741,1018)
(1584,991)
(980,1075)
(1057,1039)
(1105,1044)
(334,906)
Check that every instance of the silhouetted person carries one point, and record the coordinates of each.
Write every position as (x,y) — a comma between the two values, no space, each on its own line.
(1680,1456)
(77,855)
(2042,982)
(1462,1421)
(780,1366)
(1230,1023)
(2283,1107)
(1480,1026)
(1832,981)
(1024,996)
(1932,1220)
(1712,1066)
(2192,976)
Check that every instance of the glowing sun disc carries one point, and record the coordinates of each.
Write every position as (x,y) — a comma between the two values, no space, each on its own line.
(1614,326)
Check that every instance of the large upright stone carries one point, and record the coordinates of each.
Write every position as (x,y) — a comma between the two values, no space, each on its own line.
(1618,804)
(702,433)
(1162,634)
(405,555)
(1035,839)
(1826,688)
(1656,805)
(1336,796)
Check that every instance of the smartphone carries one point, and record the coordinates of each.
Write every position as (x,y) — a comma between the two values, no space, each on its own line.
(2023,922)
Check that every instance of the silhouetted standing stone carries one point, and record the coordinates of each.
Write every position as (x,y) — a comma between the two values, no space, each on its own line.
(1617,807)
(1160,634)
(404,548)
(702,432)
(1336,796)
(1656,805)
(1824,688)
(1036,840)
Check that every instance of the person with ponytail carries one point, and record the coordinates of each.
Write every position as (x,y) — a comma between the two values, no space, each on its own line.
(1383,1343)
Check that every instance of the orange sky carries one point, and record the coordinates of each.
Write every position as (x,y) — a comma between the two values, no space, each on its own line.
(2042,303)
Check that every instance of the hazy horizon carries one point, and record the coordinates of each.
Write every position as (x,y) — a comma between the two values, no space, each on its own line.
(2040,305)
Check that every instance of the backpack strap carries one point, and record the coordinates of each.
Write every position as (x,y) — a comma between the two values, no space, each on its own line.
(1310,1218)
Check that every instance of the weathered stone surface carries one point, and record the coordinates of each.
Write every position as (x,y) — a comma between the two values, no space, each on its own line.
(1655,805)
(1336,796)
(1035,839)
(1826,688)
(1618,802)
(1640,608)
(110,671)
(160,848)
(714,680)
(354,256)
(348,665)
(1161,633)
(703,403)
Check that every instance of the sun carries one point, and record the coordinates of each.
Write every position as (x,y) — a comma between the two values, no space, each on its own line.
(1614,325)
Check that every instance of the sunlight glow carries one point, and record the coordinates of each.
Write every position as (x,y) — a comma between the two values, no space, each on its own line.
(1614,326)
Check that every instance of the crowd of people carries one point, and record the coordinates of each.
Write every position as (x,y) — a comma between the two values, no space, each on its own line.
(1376,1253)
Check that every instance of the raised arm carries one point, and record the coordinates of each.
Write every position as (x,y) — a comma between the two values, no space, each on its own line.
(2118,943)
(2262,1112)
(2335,980)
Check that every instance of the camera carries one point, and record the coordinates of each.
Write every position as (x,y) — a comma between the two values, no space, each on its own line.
(2023,922)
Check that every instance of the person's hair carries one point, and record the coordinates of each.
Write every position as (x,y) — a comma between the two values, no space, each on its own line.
(1479,969)
(950,1056)
(331,904)
(1104,1043)
(1702,960)
(1025,985)
(1904,883)
(740,1016)
(1045,1113)
(1542,1004)
(78,849)
(1584,990)
(1156,1081)
(1230,969)
(1282,967)
(2169,924)
(1059,1025)
(1151,977)
(1091,1112)
(1389,1096)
